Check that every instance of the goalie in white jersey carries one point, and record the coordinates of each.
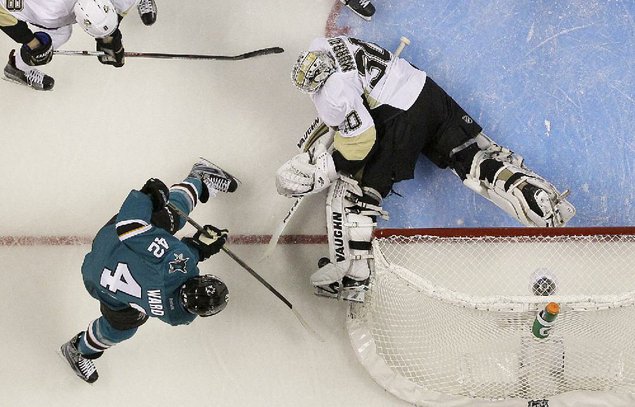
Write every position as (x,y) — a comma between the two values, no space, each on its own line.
(51,24)
(382,113)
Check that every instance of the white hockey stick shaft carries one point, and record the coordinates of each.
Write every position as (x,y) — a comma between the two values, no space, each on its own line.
(313,133)
(305,143)
(251,271)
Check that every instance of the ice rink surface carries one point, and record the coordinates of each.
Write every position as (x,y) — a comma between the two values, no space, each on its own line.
(545,79)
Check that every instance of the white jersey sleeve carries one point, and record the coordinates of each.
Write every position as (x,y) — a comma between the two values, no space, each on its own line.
(52,14)
(382,77)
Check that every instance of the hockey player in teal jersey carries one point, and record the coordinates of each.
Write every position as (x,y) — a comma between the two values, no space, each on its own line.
(138,269)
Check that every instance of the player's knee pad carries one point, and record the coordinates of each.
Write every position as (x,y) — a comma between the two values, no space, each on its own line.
(500,175)
(123,320)
(351,213)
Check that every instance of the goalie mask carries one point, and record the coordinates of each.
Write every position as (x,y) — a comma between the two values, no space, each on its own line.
(311,70)
(97,17)
(204,295)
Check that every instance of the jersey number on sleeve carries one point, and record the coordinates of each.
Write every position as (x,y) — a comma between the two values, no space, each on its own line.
(158,247)
(371,59)
(15,5)
(120,280)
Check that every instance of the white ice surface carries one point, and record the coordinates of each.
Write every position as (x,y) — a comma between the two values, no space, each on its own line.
(254,353)
(70,156)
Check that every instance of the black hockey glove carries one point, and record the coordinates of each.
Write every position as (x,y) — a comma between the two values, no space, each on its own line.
(113,47)
(42,54)
(207,246)
(158,193)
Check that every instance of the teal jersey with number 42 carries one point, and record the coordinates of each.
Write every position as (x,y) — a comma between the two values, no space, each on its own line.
(133,263)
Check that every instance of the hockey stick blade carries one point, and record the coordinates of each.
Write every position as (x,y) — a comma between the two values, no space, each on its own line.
(247,55)
(251,271)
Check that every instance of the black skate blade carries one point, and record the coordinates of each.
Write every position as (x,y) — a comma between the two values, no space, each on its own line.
(14,81)
(329,291)
(67,366)
(363,17)
(353,295)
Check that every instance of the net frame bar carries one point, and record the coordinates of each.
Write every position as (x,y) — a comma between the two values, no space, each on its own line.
(507,231)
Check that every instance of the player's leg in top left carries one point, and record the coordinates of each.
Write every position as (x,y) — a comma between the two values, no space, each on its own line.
(147,11)
(363,8)
(21,66)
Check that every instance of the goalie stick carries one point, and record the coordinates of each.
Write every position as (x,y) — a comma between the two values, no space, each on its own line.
(305,143)
(251,271)
(316,130)
(251,54)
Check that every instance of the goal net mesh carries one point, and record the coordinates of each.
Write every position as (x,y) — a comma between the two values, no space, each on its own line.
(453,315)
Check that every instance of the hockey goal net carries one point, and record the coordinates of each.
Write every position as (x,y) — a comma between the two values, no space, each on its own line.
(448,317)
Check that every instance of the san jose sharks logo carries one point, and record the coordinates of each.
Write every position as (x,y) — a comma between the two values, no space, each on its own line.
(179,264)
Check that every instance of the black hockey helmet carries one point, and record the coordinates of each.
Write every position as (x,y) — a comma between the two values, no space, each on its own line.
(204,295)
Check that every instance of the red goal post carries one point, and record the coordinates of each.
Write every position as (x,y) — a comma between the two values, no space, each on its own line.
(508,231)
(447,319)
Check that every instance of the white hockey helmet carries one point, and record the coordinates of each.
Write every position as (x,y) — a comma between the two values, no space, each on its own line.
(97,17)
(311,70)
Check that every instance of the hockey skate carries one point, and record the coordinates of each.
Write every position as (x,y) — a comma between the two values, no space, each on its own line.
(84,368)
(34,78)
(346,288)
(147,11)
(362,8)
(214,178)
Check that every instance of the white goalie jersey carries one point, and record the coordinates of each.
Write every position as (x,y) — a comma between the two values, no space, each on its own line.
(50,14)
(367,76)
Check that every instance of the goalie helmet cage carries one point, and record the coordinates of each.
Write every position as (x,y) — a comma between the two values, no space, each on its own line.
(447,320)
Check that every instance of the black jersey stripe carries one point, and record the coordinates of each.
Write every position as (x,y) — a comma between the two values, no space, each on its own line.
(189,190)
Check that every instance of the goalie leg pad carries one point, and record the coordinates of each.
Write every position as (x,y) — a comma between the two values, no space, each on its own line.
(351,214)
(500,175)
(344,288)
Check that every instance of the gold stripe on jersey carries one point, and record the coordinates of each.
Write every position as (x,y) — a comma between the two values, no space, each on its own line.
(372,102)
(355,148)
(130,228)
(7,19)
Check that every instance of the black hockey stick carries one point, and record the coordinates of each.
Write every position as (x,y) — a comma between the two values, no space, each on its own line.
(251,54)
(251,271)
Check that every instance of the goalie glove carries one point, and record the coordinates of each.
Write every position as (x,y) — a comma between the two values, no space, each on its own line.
(306,173)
